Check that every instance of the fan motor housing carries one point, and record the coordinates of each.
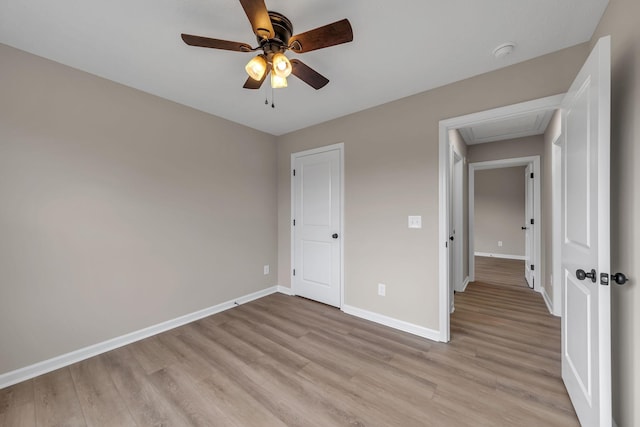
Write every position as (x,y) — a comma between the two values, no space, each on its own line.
(283,30)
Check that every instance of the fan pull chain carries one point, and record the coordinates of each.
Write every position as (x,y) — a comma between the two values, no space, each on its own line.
(273,98)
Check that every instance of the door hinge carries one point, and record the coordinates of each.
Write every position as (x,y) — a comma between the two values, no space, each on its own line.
(294,271)
(294,222)
(532,221)
(531,174)
(533,267)
(294,172)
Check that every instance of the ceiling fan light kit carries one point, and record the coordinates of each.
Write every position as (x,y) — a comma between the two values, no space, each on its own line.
(278,82)
(257,67)
(274,35)
(281,65)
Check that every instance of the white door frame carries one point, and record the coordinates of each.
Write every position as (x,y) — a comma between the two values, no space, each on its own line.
(458,223)
(556,229)
(294,156)
(455,212)
(536,257)
(551,102)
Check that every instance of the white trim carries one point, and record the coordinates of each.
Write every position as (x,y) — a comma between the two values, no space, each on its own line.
(550,102)
(556,225)
(457,204)
(505,256)
(465,284)
(547,103)
(392,322)
(45,366)
(340,147)
(547,301)
(443,227)
(285,290)
(534,161)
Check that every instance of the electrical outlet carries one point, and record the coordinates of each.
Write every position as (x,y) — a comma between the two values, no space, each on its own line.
(266,269)
(382,289)
(499,243)
(415,221)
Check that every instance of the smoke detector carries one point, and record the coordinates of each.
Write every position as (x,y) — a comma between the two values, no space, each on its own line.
(504,49)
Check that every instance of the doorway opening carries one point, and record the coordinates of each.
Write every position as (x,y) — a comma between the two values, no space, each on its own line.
(526,245)
(484,126)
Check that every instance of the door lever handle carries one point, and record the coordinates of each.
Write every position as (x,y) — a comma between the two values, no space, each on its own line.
(581,275)
(524,228)
(619,278)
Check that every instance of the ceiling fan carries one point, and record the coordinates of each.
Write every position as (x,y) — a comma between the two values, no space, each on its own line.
(274,34)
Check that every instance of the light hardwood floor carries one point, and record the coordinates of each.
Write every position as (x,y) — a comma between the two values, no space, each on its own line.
(500,271)
(285,360)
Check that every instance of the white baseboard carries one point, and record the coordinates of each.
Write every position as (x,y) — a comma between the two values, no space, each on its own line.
(392,323)
(31,371)
(547,300)
(285,290)
(506,256)
(465,284)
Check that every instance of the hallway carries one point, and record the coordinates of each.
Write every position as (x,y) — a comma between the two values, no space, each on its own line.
(507,329)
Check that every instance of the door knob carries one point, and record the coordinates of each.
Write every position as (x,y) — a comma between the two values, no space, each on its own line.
(581,275)
(451,238)
(619,278)
(334,235)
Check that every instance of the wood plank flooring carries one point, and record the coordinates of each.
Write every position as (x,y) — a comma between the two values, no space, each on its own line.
(500,271)
(287,361)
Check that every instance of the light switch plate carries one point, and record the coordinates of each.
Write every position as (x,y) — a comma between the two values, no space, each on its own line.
(415,221)
(266,269)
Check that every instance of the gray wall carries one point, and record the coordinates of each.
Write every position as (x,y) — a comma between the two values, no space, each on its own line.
(621,22)
(391,171)
(120,210)
(499,214)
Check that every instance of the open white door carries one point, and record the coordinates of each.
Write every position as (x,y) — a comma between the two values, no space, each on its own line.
(586,318)
(458,226)
(529,224)
(317,229)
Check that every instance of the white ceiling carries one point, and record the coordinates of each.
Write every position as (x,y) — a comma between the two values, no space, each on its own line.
(400,48)
(516,126)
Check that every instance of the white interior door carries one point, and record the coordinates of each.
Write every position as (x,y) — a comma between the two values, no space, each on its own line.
(529,224)
(452,242)
(458,226)
(317,226)
(586,321)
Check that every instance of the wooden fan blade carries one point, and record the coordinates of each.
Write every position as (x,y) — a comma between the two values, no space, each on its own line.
(308,74)
(255,84)
(330,35)
(258,15)
(215,43)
